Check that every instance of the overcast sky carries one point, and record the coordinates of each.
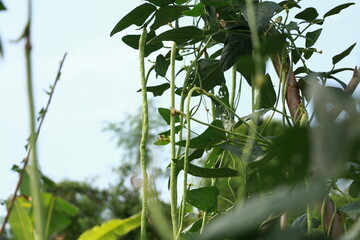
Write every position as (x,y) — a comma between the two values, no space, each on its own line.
(98,84)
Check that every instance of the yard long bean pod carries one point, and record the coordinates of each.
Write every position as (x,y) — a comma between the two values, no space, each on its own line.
(144,134)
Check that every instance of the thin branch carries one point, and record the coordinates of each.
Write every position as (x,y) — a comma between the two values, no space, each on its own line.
(26,159)
(350,88)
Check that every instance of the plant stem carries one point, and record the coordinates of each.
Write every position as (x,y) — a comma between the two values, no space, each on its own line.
(35,187)
(173,173)
(144,135)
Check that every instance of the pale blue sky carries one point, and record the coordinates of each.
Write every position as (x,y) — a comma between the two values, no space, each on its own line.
(98,84)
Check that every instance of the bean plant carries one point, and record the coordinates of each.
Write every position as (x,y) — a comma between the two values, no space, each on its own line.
(286,169)
(280,171)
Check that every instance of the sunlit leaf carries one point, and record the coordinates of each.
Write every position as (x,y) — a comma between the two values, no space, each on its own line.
(207,172)
(309,14)
(59,212)
(20,220)
(204,198)
(181,35)
(340,56)
(208,138)
(111,230)
(137,16)
(337,9)
(312,37)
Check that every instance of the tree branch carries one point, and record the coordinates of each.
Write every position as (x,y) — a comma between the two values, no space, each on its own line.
(26,159)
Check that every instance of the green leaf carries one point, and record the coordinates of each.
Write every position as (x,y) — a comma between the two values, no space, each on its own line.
(181,35)
(273,44)
(264,11)
(295,55)
(309,14)
(165,114)
(286,161)
(59,212)
(161,65)
(197,11)
(113,229)
(244,218)
(209,74)
(157,90)
(20,220)
(292,26)
(308,54)
(2,6)
(301,223)
(312,37)
(137,16)
(207,172)
(210,137)
(340,56)
(289,4)
(246,67)
(167,133)
(215,2)
(354,189)
(161,3)
(133,41)
(204,198)
(352,210)
(267,94)
(163,140)
(237,44)
(337,9)
(167,14)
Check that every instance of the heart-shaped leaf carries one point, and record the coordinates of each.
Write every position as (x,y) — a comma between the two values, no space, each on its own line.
(312,37)
(309,14)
